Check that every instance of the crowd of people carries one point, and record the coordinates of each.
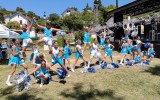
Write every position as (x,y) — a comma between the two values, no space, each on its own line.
(60,56)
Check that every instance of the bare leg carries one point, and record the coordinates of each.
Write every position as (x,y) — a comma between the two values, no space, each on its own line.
(40,41)
(75,63)
(111,58)
(122,59)
(90,60)
(84,46)
(84,61)
(13,69)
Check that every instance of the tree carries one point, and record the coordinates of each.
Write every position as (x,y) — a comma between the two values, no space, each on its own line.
(31,14)
(87,8)
(55,20)
(74,8)
(73,21)
(87,18)
(18,9)
(1,17)
(13,25)
(53,17)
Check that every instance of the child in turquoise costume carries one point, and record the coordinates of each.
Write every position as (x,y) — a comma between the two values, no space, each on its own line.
(86,39)
(124,51)
(108,49)
(56,59)
(79,54)
(43,72)
(47,39)
(15,61)
(66,54)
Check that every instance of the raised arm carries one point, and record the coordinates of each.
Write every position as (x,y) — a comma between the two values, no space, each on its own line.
(42,27)
(55,29)
(19,31)
(29,27)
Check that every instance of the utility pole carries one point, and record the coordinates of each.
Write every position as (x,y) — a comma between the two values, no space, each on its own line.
(116,3)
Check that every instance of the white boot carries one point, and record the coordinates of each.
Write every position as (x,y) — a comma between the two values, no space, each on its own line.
(42,82)
(8,81)
(88,64)
(121,61)
(72,69)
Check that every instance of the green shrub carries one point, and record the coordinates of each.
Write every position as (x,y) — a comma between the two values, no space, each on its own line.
(13,25)
(79,35)
(60,41)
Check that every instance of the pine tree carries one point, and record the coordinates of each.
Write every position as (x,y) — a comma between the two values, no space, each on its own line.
(87,8)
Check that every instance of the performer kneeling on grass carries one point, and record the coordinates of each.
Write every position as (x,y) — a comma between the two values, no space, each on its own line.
(56,59)
(43,72)
(37,60)
(95,52)
(79,54)
(109,48)
(47,39)
(66,53)
(15,61)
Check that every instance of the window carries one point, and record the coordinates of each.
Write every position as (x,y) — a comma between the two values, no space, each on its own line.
(20,22)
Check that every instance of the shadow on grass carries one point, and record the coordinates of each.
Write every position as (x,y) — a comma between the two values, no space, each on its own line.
(154,70)
(79,94)
(4,62)
(10,93)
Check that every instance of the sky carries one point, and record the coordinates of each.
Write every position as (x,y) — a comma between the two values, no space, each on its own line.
(53,6)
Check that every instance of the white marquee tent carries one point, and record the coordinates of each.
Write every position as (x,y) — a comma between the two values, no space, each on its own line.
(6,33)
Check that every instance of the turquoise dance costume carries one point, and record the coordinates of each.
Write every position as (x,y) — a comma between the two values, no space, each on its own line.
(66,52)
(138,43)
(102,41)
(55,59)
(26,38)
(86,37)
(131,49)
(16,59)
(138,59)
(150,52)
(25,35)
(48,37)
(78,54)
(124,49)
(44,71)
(126,37)
(108,50)
(47,32)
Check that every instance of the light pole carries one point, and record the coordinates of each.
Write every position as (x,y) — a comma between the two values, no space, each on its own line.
(44,16)
(96,20)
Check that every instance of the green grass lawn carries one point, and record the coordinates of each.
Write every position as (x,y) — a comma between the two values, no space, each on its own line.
(124,83)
